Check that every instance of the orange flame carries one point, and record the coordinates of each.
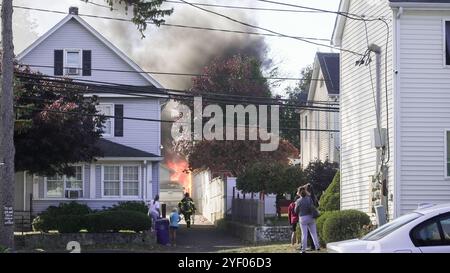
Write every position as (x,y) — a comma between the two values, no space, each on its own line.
(181,174)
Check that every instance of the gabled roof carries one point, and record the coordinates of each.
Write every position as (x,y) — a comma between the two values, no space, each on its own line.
(89,28)
(115,150)
(328,63)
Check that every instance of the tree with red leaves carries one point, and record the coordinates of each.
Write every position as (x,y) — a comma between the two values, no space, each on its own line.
(237,75)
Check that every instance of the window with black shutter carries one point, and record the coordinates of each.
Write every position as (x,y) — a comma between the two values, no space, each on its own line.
(447,42)
(118,120)
(58,62)
(87,60)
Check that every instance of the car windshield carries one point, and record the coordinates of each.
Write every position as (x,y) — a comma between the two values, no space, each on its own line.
(388,228)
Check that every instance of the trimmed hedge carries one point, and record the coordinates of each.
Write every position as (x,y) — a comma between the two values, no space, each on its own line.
(116,220)
(60,223)
(131,206)
(330,200)
(343,225)
(65,218)
(73,217)
(72,208)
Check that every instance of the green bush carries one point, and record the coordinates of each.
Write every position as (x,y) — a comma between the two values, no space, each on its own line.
(344,225)
(116,220)
(320,221)
(3,249)
(131,206)
(72,208)
(65,218)
(60,223)
(330,200)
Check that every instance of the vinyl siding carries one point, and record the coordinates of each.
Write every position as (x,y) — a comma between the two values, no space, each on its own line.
(73,35)
(142,135)
(358,158)
(424,109)
(41,205)
(319,145)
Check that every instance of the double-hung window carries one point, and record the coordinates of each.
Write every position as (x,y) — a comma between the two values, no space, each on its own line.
(121,181)
(62,186)
(108,126)
(73,61)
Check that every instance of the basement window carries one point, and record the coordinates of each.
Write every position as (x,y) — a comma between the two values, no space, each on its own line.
(447,43)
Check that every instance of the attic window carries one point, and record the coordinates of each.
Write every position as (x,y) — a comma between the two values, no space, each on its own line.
(447,42)
(73,62)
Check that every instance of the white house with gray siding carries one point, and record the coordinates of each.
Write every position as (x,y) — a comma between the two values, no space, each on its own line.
(417,95)
(322,144)
(129,167)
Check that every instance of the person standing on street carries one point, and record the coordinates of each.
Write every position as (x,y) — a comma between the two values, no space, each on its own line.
(154,210)
(293,220)
(304,207)
(187,208)
(173,227)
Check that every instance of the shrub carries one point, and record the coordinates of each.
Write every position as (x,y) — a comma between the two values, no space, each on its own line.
(320,221)
(65,218)
(72,208)
(116,220)
(131,206)
(330,200)
(3,249)
(344,225)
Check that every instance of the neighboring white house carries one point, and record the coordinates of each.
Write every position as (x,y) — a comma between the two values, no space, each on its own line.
(213,196)
(129,168)
(321,145)
(418,97)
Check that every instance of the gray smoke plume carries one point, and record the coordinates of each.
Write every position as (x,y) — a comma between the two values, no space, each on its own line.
(183,50)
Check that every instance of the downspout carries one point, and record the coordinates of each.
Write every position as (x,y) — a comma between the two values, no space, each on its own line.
(396,96)
(145,181)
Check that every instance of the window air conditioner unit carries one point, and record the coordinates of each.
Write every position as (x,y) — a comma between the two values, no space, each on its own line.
(74,194)
(72,71)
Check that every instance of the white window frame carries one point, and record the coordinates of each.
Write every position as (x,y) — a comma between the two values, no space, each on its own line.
(447,177)
(306,128)
(64,185)
(66,66)
(105,135)
(121,196)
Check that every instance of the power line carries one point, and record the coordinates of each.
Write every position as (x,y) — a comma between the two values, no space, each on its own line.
(244,8)
(175,93)
(148,119)
(171,25)
(268,30)
(345,14)
(177,74)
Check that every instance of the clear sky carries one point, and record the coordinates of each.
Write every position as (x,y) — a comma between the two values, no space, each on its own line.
(289,55)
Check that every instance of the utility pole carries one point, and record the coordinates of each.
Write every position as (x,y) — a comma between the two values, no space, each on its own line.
(7,130)
(380,144)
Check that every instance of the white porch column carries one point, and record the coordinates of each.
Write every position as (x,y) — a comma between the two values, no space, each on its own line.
(148,182)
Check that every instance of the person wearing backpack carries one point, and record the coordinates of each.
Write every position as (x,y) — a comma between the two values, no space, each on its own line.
(187,208)
(293,220)
(307,213)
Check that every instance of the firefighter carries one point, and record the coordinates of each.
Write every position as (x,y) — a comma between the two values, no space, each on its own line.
(187,208)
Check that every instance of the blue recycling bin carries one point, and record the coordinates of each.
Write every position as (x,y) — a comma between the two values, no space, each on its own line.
(162,231)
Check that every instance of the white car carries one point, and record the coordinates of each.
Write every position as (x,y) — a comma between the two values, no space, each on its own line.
(426,230)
